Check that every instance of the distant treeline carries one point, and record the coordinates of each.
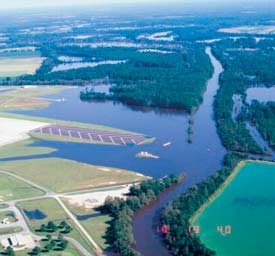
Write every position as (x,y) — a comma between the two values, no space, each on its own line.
(180,239)
(119,234)
(242,69)
(174,80)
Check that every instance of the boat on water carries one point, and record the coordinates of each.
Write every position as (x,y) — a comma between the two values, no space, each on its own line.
(144,154)
(167,144)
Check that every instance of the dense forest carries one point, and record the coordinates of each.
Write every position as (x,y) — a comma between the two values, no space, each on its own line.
(179,240)
(119,234)
(175,80)
(262,116)
(238,58)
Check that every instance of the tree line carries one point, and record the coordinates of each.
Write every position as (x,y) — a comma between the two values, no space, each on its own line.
(119,233)
(180,239)
(242,69)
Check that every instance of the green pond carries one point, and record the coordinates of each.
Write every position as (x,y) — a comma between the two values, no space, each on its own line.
(241,220)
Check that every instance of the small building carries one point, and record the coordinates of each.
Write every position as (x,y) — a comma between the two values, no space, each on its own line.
(18,242)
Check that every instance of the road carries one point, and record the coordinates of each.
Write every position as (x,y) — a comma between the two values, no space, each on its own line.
(47,194)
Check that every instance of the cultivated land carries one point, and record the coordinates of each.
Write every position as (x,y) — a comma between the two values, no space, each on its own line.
(17,66)
(12,188)
(61,175)
(13,130)
(247,213)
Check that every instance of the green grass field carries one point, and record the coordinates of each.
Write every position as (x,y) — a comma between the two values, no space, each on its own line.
(61,175)
(70,251)
(54,212)
(23,148)
(12,188)
(11,66)
(97,227)
(13,230)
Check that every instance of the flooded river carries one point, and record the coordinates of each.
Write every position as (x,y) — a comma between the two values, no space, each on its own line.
(198,160)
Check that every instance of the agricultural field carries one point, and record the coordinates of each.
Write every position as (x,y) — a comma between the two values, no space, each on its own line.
(12,188)
(61,175)
(13,66)
(246,224)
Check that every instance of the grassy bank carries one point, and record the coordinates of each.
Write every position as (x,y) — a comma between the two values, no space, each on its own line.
(223,186)
(23,148)
(12,188)
(61,175)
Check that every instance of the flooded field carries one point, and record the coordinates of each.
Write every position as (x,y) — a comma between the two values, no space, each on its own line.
(76,65)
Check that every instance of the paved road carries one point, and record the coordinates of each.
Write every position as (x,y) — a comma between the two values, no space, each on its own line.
(48,194)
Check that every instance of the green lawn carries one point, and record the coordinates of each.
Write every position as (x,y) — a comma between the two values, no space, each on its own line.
(12,188)
(4,206)
(7,215)
(5,231)
(70,251)
(23,148)
(54,212)
(61,175)
(97,227)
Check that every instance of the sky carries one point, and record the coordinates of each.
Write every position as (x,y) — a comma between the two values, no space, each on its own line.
(14,4)
(23,4)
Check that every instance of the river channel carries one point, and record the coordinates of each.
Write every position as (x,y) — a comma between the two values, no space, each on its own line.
(198,160)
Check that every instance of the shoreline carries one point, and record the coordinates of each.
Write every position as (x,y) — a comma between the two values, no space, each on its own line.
(219,191)
(14,130)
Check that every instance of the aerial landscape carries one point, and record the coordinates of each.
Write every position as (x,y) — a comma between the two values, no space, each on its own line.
(133,128)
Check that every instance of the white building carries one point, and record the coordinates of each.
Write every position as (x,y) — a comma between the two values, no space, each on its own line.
(18,242)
